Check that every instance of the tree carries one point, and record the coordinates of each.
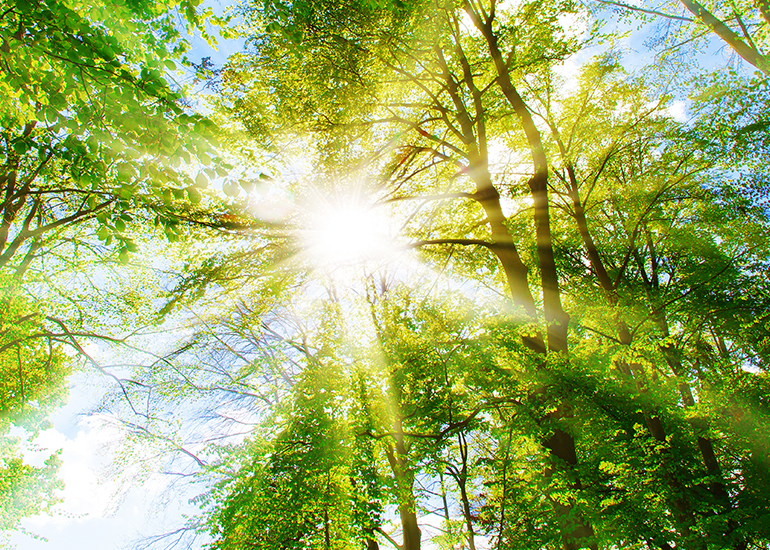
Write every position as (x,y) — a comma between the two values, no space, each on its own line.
(91,143)
(33,377)
(302,477)
(658,229)
(741,25)
(454,121)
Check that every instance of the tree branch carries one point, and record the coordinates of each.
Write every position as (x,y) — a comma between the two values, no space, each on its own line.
(724,32)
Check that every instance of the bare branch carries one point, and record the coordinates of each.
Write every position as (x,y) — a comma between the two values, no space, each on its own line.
(645,10)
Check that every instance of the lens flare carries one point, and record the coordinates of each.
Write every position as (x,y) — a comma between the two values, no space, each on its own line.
(344,232)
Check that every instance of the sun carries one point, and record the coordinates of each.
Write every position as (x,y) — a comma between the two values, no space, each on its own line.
(345,231)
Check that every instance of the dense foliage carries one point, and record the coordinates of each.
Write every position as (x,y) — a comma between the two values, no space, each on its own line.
(566,344)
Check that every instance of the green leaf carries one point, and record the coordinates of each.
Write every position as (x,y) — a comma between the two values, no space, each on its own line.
(21,146)
(25,6)
(194,195)
(230,189)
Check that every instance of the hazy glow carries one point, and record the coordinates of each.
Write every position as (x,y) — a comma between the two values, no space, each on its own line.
(345,231)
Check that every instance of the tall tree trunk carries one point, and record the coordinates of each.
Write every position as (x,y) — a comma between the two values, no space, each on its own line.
(327,529)
(461,478)
(747,51)
(371,542)
(555,315)
(576,532)
(682,512)
(404,476)
(673,359)
(699,426)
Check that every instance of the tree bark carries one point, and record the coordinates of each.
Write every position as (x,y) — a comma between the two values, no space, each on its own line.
(705,445)
(682,513)
(461,478)
(555,315)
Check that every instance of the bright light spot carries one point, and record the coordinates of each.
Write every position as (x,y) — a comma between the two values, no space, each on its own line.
(344,232)
(513,206)
(271,203)
(679,111)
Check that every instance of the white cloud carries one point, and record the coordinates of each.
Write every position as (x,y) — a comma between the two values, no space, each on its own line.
(679,110)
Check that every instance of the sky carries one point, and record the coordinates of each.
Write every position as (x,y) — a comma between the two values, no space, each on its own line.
(100,509)
(97,511)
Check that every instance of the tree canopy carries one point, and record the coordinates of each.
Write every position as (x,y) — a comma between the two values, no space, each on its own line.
(453,273)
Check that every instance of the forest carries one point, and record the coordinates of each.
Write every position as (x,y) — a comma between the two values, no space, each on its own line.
(398,274)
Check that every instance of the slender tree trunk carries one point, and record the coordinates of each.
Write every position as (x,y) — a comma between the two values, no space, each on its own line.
(445,502)
(681,511)
(461,478)
(503,491)
(673,359)
(555,315)
(764,8)
(10,206)
(371,543)
(576,532)
(327,531)
(404,476)
(21,378)
(705,445)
